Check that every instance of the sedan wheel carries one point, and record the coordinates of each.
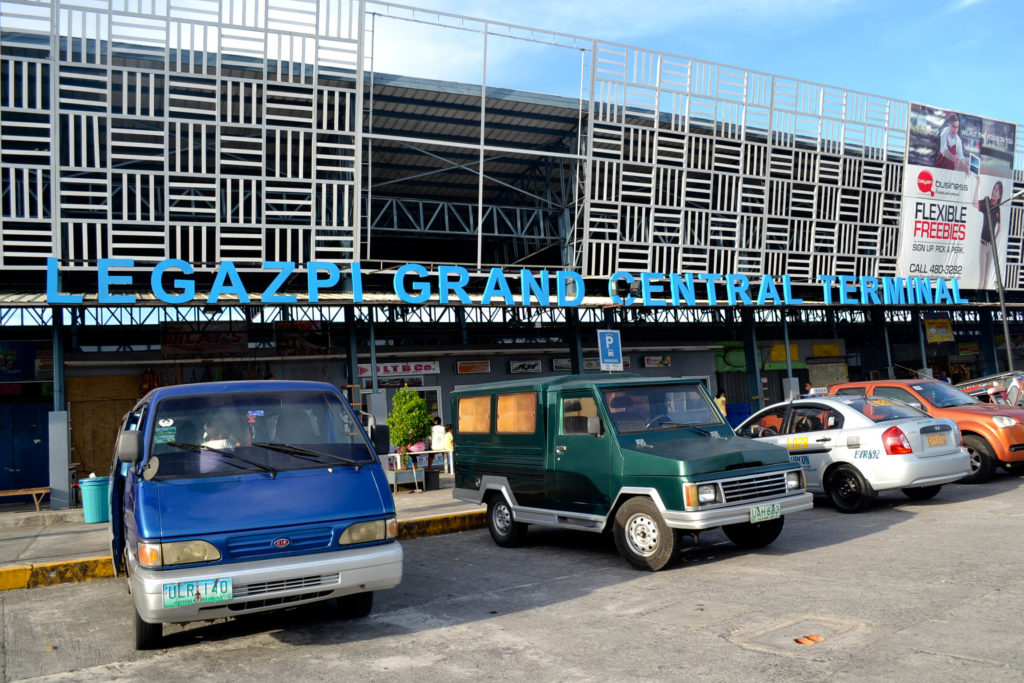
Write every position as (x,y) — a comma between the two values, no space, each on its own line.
(848,490)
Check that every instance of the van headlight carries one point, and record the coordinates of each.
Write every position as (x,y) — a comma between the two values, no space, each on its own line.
(1003,421)
(367,532)
(156,555)
(700,494)
(794,480)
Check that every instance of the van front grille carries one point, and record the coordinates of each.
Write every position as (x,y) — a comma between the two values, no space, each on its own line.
(753,488)
(304,540)
(285,585)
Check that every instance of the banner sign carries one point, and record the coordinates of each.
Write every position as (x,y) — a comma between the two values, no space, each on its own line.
(171,282)
(209,340)
(959,169)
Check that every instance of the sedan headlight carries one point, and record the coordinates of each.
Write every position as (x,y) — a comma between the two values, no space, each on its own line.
(1002,421)
(368,532)
(794,480)
(156,555)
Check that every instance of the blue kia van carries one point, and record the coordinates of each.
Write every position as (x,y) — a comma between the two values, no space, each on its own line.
(229,498)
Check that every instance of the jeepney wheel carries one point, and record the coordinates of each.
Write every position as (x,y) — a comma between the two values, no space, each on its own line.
(147,636)
(642,537)
(754,535)
(505,531)
(847,490)
(355,606)
(922,492)
(982,460)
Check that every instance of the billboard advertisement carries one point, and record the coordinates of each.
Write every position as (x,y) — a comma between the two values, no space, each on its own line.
(959,170)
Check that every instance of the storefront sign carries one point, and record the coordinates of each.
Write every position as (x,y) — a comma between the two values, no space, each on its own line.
(423,367)
(473,367)
(522,367)
(657,361)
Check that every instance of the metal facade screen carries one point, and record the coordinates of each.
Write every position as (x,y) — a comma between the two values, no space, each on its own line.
(209,130)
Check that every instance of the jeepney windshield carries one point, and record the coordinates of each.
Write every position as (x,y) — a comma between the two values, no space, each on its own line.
(664,406)
(239,433)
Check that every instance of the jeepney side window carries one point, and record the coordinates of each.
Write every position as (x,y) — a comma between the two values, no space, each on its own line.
(475,415)
(517,413)
(579,415)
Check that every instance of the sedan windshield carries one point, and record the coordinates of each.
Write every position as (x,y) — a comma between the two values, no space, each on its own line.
(942,395)
(650,408)
(216,434)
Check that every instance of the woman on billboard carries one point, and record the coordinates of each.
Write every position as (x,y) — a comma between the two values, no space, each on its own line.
(990,223)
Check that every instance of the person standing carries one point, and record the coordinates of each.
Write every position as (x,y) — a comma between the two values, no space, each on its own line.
(951,149)
(449,446)
(720,401)
(437,435)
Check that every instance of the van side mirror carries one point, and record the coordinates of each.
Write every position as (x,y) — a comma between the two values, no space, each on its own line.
(381,439)
(594,426)
(129,447)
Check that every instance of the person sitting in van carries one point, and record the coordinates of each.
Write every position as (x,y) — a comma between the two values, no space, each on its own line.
(218,433)
(625,415)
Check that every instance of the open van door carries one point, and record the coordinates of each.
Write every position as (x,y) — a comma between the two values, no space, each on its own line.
(120,471)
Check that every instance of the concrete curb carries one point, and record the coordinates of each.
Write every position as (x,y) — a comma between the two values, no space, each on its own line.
(90,569)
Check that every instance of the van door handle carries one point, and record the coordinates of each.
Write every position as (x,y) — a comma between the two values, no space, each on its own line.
(559,449)
(824,439)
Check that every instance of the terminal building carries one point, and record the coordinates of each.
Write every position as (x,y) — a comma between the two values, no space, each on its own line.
(232,189)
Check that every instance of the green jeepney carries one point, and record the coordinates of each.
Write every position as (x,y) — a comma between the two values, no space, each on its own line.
(650,459)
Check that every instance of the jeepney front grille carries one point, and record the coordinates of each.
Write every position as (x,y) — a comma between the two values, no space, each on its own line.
(752,488)
(265,587)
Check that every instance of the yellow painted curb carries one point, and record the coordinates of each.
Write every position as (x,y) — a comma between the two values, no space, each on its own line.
(14,577)
(52,573)
(442,524)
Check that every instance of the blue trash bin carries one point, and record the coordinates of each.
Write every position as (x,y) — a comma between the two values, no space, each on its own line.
(95,499)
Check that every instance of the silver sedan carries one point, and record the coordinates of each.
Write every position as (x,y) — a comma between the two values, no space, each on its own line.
(852,447)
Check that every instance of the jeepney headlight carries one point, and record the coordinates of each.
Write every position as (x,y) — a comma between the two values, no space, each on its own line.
(700,494)
(155,555)
(794,480)
(1002,421)
(364,532)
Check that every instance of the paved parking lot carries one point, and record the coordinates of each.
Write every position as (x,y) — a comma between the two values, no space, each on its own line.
(909,591)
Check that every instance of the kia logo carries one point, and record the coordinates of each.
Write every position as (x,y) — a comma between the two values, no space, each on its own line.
(281,543)
(925,183)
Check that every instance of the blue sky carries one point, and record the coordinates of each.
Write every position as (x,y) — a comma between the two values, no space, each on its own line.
(966,55)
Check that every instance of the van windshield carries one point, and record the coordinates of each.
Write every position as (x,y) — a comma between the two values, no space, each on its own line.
(665,406)
(232,433)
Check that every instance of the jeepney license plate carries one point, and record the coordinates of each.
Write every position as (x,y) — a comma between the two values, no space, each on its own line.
(198,591)
(763,513)
(936,439)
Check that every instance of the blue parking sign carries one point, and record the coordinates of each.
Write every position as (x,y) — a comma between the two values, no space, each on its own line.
(609,345)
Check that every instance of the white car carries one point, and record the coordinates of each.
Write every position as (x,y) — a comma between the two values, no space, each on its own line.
(851,447)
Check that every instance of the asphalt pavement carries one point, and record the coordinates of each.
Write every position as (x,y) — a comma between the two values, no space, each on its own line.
(57,546)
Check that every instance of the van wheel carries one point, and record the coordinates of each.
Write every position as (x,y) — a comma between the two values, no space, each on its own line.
(147,636)
(748,535)
(355,606)
(847,490)
(922,492)
(642,537)
(982,460)
(505,531)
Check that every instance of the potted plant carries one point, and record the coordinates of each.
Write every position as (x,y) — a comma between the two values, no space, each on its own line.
(409,422)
